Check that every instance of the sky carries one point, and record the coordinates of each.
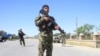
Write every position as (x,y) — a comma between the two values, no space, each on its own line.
(21,14)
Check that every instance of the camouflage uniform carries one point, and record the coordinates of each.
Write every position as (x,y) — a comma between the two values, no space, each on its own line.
(21,34)
(46,37)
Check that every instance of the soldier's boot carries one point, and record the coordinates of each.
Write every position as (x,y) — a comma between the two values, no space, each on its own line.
(23,43)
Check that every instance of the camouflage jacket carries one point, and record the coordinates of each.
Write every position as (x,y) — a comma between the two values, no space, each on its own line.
(39,21)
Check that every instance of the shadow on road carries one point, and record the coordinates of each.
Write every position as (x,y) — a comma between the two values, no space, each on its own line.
(69,46)
(1,41)
(29,46)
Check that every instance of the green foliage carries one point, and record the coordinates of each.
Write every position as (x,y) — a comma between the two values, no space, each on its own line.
(68,35)
(84,29)
(15,37)
(36,36)
(98,29)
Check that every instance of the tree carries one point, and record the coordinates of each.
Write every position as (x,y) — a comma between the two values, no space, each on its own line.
(98,29)
(36,36)
(68,35)
(84,29)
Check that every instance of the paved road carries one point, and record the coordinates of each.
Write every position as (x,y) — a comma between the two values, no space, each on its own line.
(12,48)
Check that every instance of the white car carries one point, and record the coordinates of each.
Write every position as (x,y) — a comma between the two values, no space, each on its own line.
(56,39)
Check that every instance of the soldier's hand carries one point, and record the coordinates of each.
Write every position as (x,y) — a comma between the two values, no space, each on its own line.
(57,27)
(46,18)
(43,26)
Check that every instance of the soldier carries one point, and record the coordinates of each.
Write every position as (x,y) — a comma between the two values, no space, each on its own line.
(63,39)
(21,34)
(45,28)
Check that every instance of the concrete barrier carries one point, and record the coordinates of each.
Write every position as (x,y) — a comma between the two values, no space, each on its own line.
(95,42)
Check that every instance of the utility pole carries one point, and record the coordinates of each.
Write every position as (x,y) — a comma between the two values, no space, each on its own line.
(76,27)
(76,23)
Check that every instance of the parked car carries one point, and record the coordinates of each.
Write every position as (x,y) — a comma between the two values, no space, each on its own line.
(57,39)
(4,37)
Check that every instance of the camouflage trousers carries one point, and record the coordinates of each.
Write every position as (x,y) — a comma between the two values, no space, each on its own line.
(45,44)
(22,42)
